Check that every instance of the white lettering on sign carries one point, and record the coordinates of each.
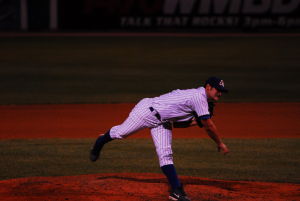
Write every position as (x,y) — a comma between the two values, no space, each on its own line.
(136,22)
(186,7)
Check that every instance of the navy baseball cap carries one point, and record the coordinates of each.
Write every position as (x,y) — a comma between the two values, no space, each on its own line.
(216,83)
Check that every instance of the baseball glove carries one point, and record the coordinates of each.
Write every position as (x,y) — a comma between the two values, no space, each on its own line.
(211,106)
(182,124)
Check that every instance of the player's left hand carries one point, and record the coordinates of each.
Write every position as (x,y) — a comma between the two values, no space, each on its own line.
(223,148)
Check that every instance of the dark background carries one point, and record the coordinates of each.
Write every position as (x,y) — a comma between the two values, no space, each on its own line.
(102,15)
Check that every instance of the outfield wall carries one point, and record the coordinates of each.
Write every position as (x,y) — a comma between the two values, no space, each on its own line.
(155,15)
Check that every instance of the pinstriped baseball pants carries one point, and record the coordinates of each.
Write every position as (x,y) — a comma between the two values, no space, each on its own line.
(141,117)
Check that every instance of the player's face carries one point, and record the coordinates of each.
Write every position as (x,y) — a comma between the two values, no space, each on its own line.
(213,93)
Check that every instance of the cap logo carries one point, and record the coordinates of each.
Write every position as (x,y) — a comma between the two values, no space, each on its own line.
(221,83)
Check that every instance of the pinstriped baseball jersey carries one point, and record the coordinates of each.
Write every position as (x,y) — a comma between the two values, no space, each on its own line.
(179,105)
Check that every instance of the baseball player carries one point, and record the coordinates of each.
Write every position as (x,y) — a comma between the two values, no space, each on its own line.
(178,108)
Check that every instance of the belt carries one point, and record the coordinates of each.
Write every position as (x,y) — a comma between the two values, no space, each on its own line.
(157,115)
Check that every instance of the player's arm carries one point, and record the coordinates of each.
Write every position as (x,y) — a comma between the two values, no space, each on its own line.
(213,133)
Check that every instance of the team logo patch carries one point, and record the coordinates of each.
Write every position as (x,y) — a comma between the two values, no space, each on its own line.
(222,83)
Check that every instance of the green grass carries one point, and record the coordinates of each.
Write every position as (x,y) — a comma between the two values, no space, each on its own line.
(126,69)
(274,160)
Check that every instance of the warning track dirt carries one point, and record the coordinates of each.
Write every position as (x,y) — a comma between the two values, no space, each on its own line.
(234,120)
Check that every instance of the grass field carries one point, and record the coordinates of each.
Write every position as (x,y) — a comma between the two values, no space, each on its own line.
(125,69)
(275,160)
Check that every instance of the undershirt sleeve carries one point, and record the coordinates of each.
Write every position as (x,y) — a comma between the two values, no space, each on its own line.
(204,117)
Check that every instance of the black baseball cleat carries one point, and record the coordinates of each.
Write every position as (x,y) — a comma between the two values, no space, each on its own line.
(94,154)
(96,149)
(178,194)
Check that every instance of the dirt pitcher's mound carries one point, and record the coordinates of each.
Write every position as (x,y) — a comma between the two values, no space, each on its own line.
(138,187)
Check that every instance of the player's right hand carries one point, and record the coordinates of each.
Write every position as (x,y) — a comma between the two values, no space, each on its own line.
(223,148)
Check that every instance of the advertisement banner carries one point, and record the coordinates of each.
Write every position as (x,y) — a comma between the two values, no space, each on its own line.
(180,14)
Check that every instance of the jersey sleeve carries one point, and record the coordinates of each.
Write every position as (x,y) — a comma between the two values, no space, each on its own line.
(200,106)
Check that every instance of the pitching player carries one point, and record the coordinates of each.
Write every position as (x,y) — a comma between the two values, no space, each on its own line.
(178,108)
